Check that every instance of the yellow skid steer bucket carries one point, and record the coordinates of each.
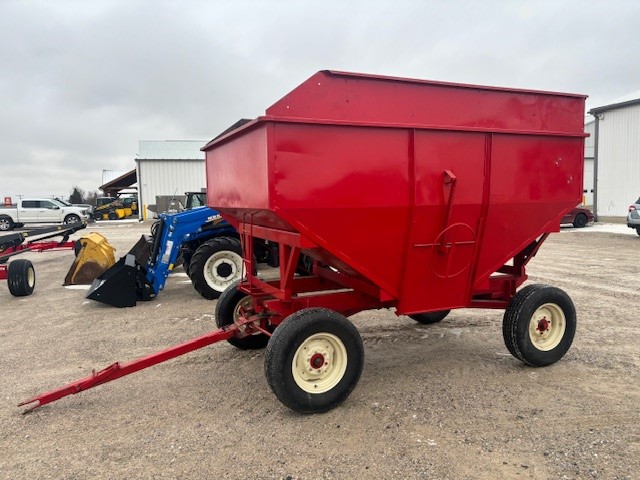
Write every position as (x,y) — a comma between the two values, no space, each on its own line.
(94,256)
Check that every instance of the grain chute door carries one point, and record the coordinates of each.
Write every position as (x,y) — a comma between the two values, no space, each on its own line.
(449,171)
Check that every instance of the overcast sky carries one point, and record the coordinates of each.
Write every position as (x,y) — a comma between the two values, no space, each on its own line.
(82,81)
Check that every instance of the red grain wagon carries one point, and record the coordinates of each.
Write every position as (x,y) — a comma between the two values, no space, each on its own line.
(415,195)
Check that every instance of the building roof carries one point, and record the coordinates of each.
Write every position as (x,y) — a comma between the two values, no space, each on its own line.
(632,98)
(170,149)
(112,187)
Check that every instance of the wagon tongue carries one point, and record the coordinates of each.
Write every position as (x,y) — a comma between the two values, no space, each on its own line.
(126,281)
(118,370)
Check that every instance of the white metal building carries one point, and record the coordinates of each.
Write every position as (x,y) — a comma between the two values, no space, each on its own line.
(169,167)
(616,157)
(589,128)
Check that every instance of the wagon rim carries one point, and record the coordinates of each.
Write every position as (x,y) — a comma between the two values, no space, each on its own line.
(547,327)
(319,363)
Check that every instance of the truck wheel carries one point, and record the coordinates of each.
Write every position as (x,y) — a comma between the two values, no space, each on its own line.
(232,304)
(71,219)
(112,215)
(638,230)
(215,265)
(21,278)
(580,221)
(539,325)
(429,317)
(6,223)
(314,360)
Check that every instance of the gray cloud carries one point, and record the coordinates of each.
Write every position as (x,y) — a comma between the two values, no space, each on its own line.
(82,82)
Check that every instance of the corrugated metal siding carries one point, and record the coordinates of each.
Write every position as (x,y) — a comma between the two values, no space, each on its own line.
(618,160)
(170,149)
(589,142)
(108,175)
(589,128)
(169,177)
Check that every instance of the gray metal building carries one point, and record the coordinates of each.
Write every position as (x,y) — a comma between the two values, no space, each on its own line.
(616,156)
(168,168)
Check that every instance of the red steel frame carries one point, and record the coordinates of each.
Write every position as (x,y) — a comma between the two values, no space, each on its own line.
(334,290)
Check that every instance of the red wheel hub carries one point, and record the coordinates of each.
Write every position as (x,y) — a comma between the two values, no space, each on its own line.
(317,360)
(543,325)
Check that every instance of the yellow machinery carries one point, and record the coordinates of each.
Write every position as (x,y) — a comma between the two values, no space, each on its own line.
(94,256)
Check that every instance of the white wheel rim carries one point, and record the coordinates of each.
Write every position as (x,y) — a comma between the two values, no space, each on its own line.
(227,260)
(319,363)
(31,277)
(547,327)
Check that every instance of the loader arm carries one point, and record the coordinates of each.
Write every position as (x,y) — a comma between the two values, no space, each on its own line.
(142,273)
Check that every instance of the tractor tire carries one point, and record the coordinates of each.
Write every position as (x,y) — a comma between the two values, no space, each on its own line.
(430,317)
(231,304)
(638,230)
(215,265)
(314,360)
(112,215)
(6,223)
(580,221)
(97,216)
(69,219)
(21,278)
(539,325)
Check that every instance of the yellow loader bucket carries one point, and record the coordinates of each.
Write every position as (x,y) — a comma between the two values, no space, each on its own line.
(94,256)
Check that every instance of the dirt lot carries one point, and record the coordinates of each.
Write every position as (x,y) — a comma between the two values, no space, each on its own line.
(441,401)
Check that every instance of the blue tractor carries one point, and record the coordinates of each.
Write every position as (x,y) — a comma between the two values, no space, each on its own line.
(205,244)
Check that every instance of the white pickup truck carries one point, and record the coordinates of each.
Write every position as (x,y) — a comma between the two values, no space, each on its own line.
(39,210)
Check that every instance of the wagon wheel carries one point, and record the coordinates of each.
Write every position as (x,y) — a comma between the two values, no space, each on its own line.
(539,325)
(430,317)
(232,304)
(21,278)
(314,360)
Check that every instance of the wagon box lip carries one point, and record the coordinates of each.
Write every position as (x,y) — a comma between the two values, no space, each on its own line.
(312,121)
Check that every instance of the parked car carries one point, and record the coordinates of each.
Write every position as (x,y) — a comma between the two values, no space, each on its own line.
(633,217)
(39,210)
(578,217)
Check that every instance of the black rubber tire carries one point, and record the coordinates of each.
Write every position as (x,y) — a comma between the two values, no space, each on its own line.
(97,216)
(227,312)
(199,260)
(430,317)
(638,230)
(21,278)
(6,223)
(580,221)
(73,218)
(517,318)
(280,358)
(112,215)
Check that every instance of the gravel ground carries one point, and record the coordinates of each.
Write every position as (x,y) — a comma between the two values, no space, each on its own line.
(442,401)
